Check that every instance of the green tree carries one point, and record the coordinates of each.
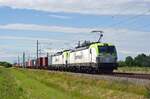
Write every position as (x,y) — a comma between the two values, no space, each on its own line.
(121,63)
(5,64)
(129,61)
(142,60)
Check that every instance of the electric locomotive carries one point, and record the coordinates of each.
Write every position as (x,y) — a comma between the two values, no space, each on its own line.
(89,56)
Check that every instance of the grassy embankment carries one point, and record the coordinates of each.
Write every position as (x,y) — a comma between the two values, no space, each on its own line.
(134,69)
(39,84)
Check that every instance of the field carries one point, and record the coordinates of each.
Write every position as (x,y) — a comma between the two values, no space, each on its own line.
(145,70)
(39,84)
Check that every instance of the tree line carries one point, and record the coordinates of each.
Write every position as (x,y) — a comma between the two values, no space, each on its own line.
(141,60)
(5,64)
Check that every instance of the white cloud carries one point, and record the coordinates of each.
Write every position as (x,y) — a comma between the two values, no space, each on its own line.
(35,27)
(28,39)
(129,52)
(60,16)
(64,29)
(97,7)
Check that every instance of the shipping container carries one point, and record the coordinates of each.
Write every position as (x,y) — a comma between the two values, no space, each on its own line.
(33,63)
(40,61)
(45,61)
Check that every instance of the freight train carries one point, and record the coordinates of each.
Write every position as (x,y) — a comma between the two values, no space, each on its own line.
(88,56)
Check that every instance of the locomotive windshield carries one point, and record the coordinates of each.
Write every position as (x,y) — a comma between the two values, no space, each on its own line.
(107,49)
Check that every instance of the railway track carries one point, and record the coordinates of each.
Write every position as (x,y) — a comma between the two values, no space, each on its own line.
(121,74)
(134,78)
(130,75)
(113,74)
(125,75)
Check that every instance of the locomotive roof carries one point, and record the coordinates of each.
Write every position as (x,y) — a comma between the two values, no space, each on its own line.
(82,47)
(92,43)
(58,53)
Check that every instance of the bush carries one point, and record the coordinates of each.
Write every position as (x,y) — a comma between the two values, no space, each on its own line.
(129,61)
(5,64)
(140,60)
(121,63)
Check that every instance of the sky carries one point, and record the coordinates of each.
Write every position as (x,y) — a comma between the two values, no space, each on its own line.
(60,24)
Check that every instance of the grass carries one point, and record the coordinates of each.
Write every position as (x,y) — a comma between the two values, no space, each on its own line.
(8,86)
(40,84)
(134,69)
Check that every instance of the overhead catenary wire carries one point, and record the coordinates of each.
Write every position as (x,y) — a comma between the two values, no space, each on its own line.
(129,19)
(143,26)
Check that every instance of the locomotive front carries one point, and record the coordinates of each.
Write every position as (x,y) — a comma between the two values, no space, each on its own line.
(107,57)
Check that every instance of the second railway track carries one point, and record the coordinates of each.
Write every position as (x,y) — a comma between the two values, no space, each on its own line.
(134,78)
(130,75)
